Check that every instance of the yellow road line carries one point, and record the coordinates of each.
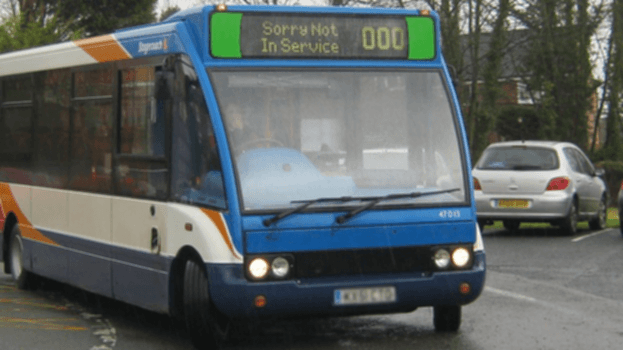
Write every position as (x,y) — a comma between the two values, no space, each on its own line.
(31,303)
(54,324)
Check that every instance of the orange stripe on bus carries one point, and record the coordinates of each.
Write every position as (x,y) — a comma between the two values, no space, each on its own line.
(9,204)
(103,48)
(222,228)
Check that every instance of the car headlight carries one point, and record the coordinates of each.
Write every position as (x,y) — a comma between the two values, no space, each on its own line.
(258,268)
(280,267)
(460,257)
(442,258)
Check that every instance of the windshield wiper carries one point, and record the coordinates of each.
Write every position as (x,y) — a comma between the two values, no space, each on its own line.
(306,204)
(376,200)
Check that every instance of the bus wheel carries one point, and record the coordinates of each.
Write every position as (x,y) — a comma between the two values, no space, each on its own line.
(447,318)
(23,279)
(198,311)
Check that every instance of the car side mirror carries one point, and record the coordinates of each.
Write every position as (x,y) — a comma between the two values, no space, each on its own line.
(599,172)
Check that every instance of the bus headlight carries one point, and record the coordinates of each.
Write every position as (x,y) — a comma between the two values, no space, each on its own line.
(280,267)
(460,257)
(258,268)
(442,258)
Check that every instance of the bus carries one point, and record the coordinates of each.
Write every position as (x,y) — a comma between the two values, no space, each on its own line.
(242,163)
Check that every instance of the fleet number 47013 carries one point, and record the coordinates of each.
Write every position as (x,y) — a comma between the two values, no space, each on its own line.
(449,214)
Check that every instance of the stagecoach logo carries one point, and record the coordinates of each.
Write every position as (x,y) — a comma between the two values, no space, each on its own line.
(146,48)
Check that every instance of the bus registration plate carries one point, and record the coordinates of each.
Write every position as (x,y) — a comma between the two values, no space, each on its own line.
(360,296)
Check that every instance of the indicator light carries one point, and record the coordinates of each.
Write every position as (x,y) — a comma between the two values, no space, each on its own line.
(465,288)
(259,301)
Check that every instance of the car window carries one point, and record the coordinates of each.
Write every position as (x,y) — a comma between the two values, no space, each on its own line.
(518,158)
(585,164)
(572,160)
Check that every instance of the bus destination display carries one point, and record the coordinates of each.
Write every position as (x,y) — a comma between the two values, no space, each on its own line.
(257,35)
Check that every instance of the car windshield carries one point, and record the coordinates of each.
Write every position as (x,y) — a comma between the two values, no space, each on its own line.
(303,135)
(518,158)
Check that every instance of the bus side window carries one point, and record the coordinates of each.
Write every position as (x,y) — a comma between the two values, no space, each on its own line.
(16,118)
(91,127)
(197,176)
(52,128)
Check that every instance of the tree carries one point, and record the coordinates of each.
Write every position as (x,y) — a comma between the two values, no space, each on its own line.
(168,13)
(613,148)
(559,64)
(17,33)
(103,17)
(491,72)
(32,23)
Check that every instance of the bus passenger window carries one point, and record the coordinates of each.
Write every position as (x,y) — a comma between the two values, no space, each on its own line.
(16,127)
(90,147)
(90,143)
(52,128)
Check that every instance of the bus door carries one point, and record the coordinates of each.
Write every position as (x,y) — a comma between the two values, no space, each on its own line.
(141,176)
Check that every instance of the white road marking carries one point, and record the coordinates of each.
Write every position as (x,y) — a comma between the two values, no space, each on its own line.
(510,294)
(577,239)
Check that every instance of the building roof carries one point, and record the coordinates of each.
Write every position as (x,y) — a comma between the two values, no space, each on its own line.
(515,50)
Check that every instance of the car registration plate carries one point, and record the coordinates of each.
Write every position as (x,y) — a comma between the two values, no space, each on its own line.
(361,296)
(513,203)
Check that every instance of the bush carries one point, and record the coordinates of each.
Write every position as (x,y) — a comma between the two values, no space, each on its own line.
(613,177)
(509,127)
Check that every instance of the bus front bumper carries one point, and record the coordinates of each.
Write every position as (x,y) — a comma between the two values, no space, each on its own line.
(235,296)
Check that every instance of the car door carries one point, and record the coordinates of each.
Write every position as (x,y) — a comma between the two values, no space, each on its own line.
(594,188)
(580,178)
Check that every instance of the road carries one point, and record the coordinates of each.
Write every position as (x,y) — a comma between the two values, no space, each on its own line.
(543,291)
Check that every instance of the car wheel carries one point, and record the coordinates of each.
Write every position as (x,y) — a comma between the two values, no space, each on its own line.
(599,222)
(23,279)
(447,318)
(511,225)
(570,222)
(199,313)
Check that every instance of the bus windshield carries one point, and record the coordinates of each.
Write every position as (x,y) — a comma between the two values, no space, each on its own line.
(299,135)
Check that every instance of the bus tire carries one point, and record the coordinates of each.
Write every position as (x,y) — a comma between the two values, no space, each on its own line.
(198,310)
(447,318)
(23,279)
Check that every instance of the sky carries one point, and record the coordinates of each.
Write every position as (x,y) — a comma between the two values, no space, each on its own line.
(182,4)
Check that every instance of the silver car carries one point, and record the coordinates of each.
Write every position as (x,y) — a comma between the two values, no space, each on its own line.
(539,181)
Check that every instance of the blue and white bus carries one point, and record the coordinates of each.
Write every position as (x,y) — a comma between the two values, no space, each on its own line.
(241,163)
